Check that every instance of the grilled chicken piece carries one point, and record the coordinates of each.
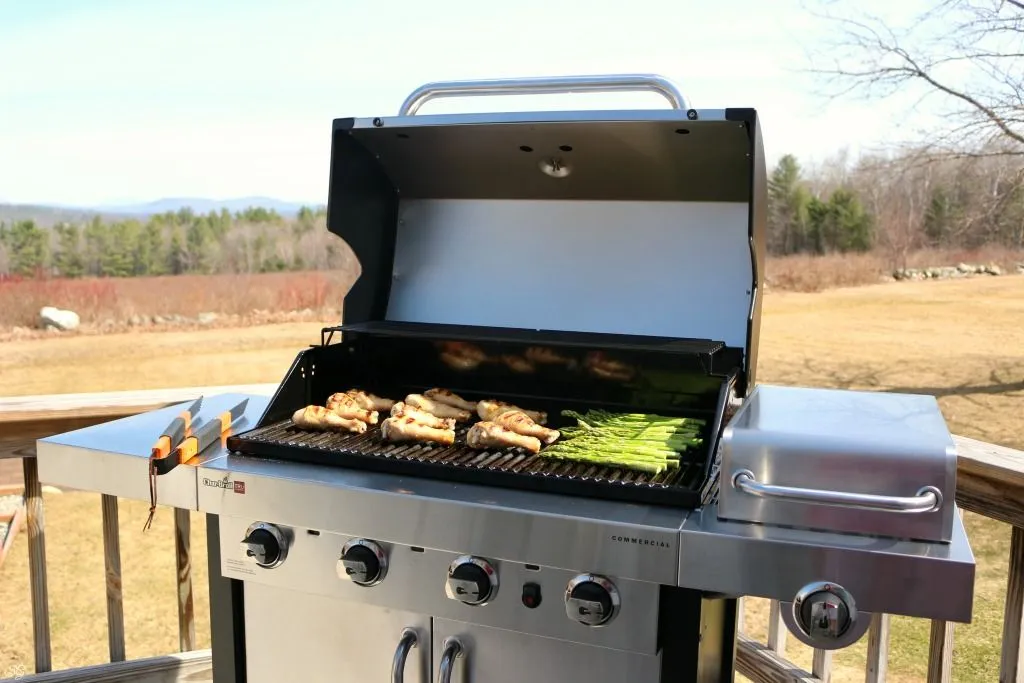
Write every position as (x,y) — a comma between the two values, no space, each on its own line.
(517,364)
(546,356)
(368,401)
(436,408)
(318,417)
(462,356)
(520,423)
(464,349)
(601,365)
(408,429)
(450,398)
(457,362)
(491,435)
(402,409)
(488,410)
(347,407)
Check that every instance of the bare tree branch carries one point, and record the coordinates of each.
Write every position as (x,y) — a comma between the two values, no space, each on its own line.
(969,53)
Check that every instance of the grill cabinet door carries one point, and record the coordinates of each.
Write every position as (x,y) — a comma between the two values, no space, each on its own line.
(491,655)
(292,636)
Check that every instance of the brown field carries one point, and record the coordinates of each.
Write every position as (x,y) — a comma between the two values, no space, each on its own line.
(107,304)
(806,273)
(105,300)
(960,340)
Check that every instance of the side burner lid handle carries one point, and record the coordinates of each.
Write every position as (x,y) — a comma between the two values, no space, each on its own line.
(927,499)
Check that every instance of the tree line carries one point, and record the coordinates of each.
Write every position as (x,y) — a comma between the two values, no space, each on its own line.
(256,240)
(959,180)
(894,204)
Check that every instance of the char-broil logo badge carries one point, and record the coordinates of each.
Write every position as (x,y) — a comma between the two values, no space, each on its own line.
(633,540)
(226,484)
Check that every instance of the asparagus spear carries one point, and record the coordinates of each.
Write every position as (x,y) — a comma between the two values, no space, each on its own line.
(616,460)
(641,441)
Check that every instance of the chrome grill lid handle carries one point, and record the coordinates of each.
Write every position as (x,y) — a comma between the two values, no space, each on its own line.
(545,86)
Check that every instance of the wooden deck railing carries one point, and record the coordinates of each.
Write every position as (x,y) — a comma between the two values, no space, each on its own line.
(990,482)
(25,419)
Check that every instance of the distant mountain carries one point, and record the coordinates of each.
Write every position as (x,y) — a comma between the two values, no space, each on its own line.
(46,215)
(201,205)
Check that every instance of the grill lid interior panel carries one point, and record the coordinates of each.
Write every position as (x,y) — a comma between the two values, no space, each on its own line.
(597,266)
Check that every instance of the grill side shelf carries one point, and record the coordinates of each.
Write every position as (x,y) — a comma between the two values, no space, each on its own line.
(506,468)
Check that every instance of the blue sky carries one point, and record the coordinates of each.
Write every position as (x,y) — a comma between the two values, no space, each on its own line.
(111,101)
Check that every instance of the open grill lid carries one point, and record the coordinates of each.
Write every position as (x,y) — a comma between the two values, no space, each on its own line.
(645,222)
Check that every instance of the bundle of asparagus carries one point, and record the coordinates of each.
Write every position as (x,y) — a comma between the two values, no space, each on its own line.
(638,441)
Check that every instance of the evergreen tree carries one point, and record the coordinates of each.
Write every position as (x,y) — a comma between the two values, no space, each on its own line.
(839,224)
(149,254)
(68,259)
(788,206)
(177,259)
(198,244)
(27,247)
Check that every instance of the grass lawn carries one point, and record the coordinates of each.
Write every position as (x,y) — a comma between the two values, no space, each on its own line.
(959,340)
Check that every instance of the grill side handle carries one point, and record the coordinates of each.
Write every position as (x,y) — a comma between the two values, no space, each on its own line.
(545,86)
(927,499)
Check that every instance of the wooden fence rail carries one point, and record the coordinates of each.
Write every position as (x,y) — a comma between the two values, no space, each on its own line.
(990,482)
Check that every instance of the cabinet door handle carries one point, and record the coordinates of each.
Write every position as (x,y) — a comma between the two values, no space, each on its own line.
(452,649)
(407,643)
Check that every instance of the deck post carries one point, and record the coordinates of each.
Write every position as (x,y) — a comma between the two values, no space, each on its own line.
(37,563)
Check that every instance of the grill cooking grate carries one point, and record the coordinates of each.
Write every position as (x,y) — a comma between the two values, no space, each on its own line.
(511,467)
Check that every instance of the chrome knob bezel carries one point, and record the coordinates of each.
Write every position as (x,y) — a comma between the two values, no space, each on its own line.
(279,536)
(373,547)
(858,621)
(492,573)
(603,582)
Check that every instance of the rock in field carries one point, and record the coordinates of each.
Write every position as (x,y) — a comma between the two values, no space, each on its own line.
(55,318)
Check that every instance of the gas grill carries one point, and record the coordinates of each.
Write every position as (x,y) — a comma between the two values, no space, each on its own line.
(563,262)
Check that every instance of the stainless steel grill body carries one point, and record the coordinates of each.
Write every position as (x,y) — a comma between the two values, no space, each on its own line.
(629,244)
(533,541)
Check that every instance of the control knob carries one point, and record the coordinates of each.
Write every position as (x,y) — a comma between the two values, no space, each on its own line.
(362,562)
(824,616)
(471,580)
(265,544)
(591,600)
